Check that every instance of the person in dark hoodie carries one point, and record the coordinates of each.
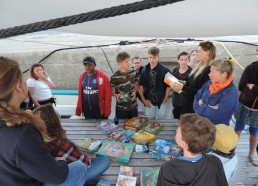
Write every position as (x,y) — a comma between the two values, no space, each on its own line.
(195,134)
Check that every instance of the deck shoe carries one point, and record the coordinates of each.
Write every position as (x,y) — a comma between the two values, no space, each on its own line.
(253,160)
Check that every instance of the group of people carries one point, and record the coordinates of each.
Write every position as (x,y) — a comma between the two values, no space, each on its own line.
(204,98)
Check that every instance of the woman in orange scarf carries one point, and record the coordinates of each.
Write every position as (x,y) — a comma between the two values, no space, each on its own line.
(217,100)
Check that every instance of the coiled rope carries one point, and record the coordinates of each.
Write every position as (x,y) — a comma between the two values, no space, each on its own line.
(84,17)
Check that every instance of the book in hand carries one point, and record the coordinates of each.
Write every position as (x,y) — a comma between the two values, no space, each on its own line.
(89,145)
(126,171)
(149,177)
(106,126)
(170,80)
(135,123)
(103,183)
(165,149)
(153,128)
(126,180)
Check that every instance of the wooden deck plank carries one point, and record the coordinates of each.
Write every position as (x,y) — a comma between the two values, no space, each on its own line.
(78,130)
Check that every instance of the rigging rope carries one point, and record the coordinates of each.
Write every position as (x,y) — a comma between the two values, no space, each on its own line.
(84,17)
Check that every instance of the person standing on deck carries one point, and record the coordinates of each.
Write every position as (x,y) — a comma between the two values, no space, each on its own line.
(136,61)
(247,113)
(153,91)
(124,83)
(94,92)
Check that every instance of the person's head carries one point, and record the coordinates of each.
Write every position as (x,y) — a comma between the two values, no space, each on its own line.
(136,61)
(123,60)
(226,139)
(182,59)
(12,92)
(48,114)
(13,86)
(221,70)
(195,133)
(206,51)
(37,70)
(193,59)
(153,56)
(89,64)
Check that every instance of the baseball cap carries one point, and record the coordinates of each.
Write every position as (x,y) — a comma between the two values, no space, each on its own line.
(226,138)
(89,60)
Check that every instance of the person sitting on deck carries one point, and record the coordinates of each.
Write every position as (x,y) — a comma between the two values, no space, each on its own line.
(224,149)
(194,135)
(61,146)
(94,92)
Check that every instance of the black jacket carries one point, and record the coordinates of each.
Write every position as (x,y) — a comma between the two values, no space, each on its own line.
(208,171)
(160,86)
(193,85)
(25,158)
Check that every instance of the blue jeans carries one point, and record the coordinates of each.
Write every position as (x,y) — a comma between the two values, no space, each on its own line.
(157,113)
(79,174)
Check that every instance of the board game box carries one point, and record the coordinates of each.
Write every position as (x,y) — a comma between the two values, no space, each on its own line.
(142,137)
(135,123)
(149,177)
(153,128)
(126,181)
(116,151)
(169,79)
(126,171)
(103,183)
(165,149)
(89,145)
(106,126)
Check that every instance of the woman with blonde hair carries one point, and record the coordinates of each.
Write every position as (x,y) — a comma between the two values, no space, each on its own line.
(199,75)
(217,100)
(24,156)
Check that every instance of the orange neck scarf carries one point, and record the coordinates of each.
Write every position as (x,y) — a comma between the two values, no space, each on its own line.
(215,87)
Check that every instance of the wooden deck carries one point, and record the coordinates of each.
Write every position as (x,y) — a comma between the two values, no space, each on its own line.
(77,130)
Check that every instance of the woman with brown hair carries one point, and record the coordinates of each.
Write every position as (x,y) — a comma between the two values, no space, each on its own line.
(199,75)
(62,146)
(24,156)
(40,85)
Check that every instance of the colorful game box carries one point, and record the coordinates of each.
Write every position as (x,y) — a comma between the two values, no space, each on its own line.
(153,128)
(141,149)
(126,171)
(89,145)
(142,137)
(126,181)
(165,149)
(116,151)
(135,123)
(103,183)
(128,133)
(114,136)
(149,177)
(106,127)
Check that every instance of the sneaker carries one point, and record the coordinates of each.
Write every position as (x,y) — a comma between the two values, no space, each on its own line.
(253,160)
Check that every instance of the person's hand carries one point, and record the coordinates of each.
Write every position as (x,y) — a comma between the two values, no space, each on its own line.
(200,102)
(146,103)
(60,158)
(176,87)
(250,86)
(164,100)
(133,95)
(43,77)
(117,97)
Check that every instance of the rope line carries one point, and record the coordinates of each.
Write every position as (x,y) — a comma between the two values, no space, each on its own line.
(84,17)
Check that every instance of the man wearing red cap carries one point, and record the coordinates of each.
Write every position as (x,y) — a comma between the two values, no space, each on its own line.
(94,92)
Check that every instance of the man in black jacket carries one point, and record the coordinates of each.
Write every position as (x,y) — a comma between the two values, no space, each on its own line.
(153,91)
